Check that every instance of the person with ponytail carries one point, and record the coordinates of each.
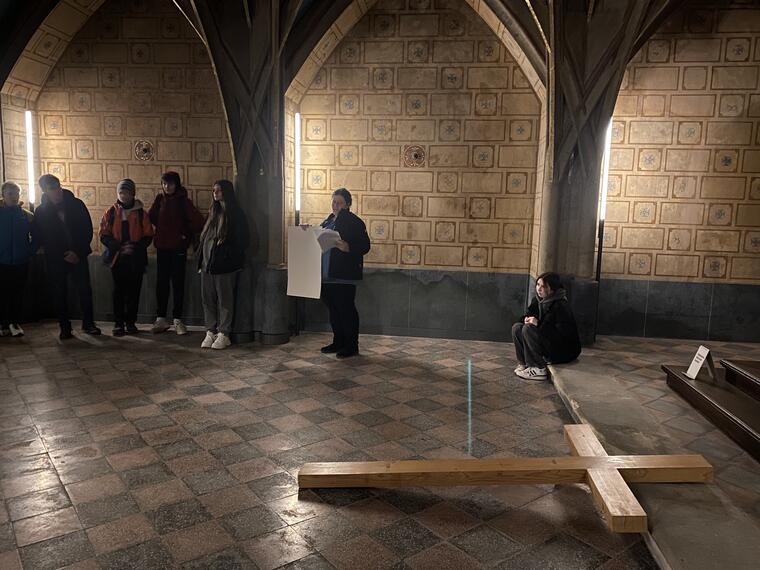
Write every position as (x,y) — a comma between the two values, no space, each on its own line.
(221,255)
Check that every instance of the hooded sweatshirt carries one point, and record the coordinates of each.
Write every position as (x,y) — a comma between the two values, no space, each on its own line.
(556,323)
(176,220)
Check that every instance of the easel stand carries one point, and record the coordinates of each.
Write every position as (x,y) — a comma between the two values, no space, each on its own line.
(606,475)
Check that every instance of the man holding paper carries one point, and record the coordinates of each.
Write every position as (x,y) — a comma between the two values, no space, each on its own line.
(344,242)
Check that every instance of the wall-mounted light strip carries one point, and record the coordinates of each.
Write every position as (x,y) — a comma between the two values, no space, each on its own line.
(31,188)
(298,167)
(605,177)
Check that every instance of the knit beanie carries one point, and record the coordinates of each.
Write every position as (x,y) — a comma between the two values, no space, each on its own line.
(126,184)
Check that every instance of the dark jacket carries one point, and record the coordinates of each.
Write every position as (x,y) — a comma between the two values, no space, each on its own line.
(556,323)
(229,255)
(352,230)
(176,220)
(15,235)
(74,234)
(140,234)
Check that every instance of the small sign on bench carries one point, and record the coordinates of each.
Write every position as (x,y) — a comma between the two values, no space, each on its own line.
(703,354)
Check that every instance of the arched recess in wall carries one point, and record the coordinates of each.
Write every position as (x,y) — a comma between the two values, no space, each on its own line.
(118,89)
(470,202)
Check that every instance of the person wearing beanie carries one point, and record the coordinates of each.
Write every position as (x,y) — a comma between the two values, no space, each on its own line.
(176,222)
(126,233)
(62,225)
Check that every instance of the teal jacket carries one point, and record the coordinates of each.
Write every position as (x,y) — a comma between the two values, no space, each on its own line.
(16,245)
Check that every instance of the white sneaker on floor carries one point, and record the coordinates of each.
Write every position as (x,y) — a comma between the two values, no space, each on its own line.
(222,341)
(533,373)
(161,325)
(179,327)
(520,368)
(16,330)
(208,342)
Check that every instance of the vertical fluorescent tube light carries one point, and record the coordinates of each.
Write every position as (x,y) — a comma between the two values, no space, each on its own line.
(31,194)
(603,181)
(298,167)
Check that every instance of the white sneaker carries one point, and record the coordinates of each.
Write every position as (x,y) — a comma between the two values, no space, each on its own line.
(209,340)
(161,325)
(16,330)
(222,341)
(520,368)
(533,373)
(179,327)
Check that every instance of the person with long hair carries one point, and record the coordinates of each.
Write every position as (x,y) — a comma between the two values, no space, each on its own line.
(221,255)
(176,221)
(547,332)
(16,250)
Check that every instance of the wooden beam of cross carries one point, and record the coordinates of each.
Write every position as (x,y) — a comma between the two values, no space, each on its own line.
(606,475)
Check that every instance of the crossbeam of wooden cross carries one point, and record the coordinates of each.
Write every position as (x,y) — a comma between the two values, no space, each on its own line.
(606,475)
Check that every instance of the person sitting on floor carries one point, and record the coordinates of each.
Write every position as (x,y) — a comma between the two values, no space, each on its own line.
(547,332)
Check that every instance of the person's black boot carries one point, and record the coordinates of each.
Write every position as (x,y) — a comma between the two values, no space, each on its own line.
(331,348)
(91,329)
(348,352)
(132,328)
(118,330)
(65,332)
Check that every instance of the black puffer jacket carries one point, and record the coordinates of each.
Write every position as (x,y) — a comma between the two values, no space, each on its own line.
(556,323)
(229,255)
(57,237)
(352,230)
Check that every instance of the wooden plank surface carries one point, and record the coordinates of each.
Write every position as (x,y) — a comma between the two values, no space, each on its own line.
(508,471)
(619,506)
(583,441)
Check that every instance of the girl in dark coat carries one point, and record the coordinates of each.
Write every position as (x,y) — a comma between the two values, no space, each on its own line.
(547,332)
(342,268)
(220,257)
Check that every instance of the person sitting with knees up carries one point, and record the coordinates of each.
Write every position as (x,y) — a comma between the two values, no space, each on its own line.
(547,332)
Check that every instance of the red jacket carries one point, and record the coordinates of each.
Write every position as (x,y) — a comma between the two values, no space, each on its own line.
(176,221)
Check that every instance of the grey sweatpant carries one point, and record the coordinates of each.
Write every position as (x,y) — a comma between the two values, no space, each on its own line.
(528,347)
(218,295)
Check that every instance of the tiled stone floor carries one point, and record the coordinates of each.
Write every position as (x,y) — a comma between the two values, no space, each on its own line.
(148,452)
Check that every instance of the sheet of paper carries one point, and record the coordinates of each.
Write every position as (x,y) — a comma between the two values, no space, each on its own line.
(327,238)
(304,263)
(696,364)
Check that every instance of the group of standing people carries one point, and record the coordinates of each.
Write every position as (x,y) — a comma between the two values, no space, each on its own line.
(62,226)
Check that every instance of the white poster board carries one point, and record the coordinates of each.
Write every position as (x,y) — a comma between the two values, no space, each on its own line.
(304,263)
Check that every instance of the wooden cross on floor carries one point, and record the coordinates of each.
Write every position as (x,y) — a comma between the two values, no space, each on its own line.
(606,475)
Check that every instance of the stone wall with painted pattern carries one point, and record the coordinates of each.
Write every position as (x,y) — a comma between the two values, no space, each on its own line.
(423,115)
(684,187)
(133,95)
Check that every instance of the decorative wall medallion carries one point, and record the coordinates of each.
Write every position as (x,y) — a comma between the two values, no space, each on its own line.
(414,156)
(144,150)
(417,52)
